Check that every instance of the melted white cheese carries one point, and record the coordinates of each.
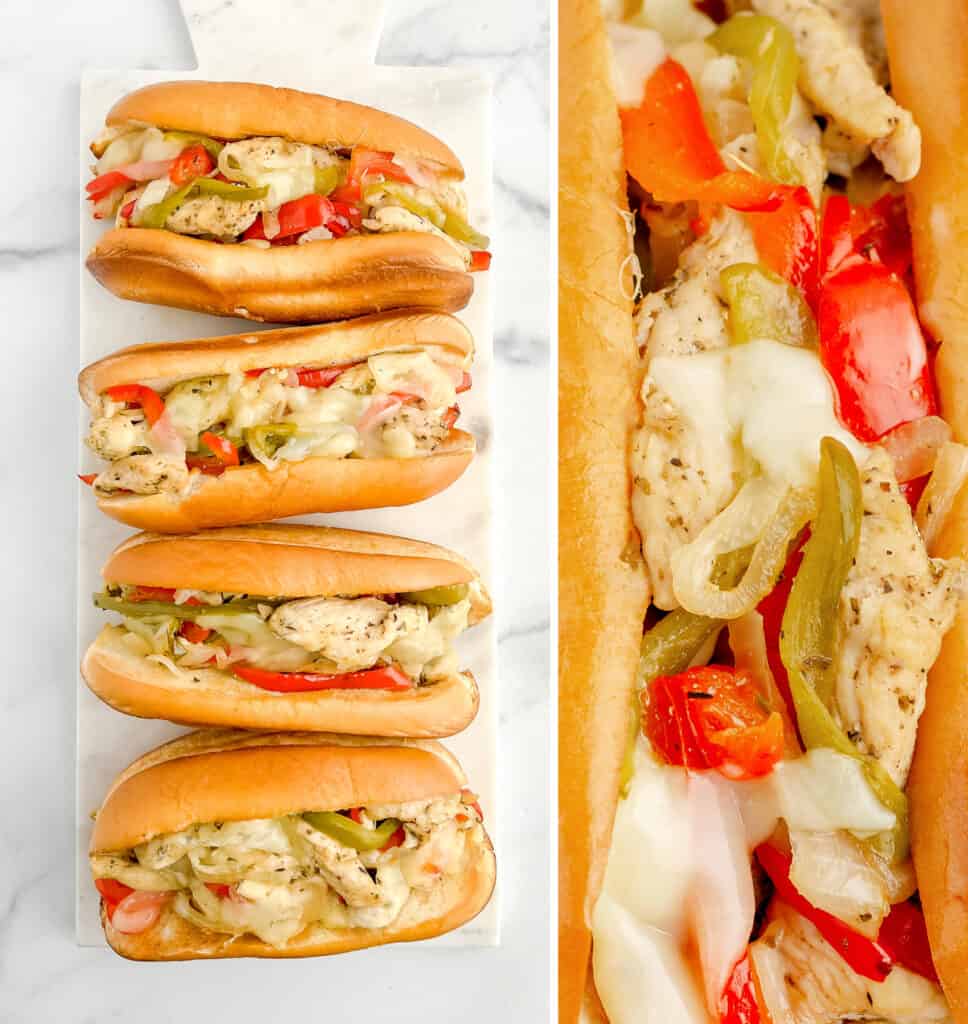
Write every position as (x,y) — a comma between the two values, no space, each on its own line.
(776,400)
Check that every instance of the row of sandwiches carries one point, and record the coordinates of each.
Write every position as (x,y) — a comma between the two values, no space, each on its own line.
(313,812)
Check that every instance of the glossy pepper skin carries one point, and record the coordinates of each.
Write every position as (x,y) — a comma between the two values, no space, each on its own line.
(769,46)
(808,635)
(348,832)
(763,305)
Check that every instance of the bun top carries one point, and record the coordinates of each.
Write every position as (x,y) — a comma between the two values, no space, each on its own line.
(333,344)
(285,560)
(233,775)
(237,110)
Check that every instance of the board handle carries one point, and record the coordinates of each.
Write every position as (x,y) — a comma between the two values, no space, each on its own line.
(306,32)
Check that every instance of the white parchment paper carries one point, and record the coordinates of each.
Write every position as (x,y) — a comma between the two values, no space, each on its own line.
(319,48)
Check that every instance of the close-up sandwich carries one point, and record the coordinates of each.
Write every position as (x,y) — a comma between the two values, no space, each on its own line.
(288,627)
(229,844)
(250,427)
(272,204)
(764,450)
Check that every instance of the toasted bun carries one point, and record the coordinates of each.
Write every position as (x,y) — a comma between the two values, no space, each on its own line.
(223,775)
(325,280)
(230,775)
(160,363)
(237,110)
(929,74)
(603,592)
(251,493)
(287,560)
(135,686)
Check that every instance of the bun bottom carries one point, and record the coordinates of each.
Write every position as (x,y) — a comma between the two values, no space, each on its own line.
(146,689)
(254,494)
(425,915)
(325,280)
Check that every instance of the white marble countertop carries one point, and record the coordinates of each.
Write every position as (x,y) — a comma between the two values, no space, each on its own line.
(44,976)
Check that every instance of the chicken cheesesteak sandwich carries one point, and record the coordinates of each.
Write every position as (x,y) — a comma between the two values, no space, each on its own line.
(763,512)
(288,627)
(244,428)
(272,204)
(226,844)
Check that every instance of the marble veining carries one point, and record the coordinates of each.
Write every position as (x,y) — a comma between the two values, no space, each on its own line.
(44,976)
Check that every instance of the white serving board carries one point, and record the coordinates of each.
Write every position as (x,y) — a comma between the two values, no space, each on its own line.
(320,48)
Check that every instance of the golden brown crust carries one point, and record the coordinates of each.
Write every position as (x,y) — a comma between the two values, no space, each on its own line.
(325,280)
(287,560)
(146,689)
(929,74)
(237,110)
(224,775)
(464,896)
(603,592)
(251,493)
(332,344)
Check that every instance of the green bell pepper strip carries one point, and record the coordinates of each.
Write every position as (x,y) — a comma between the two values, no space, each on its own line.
(443,217)
(327,178)
(400,194)
(770,47)
(670,646)
(348,832)
(190,139)
(229,190)
(267,438)
(162,609)
(156,215)
(438,597)
(808,636)
(763,305)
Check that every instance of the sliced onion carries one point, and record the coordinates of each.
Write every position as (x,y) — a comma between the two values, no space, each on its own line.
(914,446)
(224,658)
(317,234)
(270,223)
(832,873)
(949,476)
(107,205)
(146,170)
(138,911)
(721,902)
(196,655)
(771,970)
(165,439)
(381,409)
(760,514)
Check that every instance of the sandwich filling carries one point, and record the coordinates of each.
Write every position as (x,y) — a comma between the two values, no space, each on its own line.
(266,191)
(789,470)
(164,440)
(276,878)
(378,642)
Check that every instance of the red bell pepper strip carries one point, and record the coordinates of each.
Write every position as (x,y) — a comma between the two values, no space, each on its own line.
(872,346)
(772,608)
(387,677)
(786,241)
(882,229)
(220,889)
(348,212)
(864,956)
(193,632)
(913,489)
(112,892)
(128,209)
(398,838)
(367,164)
(355,814)
(904,935)
(465,383)
(87,478)
(224,454)
(191,163)
(738,1004)
(99,187)
(669,152)
(711,717)
(480,260)
(474,803)
(139,394)
(322,377)
(450,417)
(153,594)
